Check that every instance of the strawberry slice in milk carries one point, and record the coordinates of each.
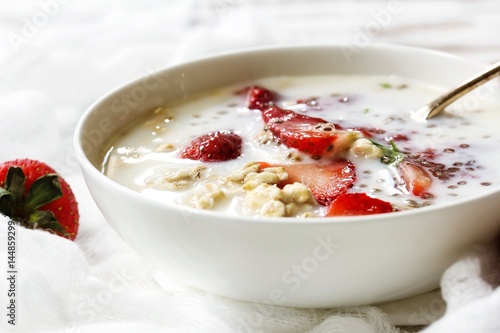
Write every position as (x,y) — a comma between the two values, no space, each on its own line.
(326,181)
(310,135)
(353,204)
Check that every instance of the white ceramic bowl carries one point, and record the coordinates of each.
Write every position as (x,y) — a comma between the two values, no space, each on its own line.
(315,263)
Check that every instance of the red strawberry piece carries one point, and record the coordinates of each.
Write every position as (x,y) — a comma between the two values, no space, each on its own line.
(35,196)
(280,121)
(307,134)
(381,134)
(399,137)
(260,98)
(326,181)
(352,204)
(214,146)
(371,132)
(417,180)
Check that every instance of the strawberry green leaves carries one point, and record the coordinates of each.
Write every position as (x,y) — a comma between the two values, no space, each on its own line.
(23,207)
(14,182)
(43,219)
(391,155)
(6,199)
(44,190)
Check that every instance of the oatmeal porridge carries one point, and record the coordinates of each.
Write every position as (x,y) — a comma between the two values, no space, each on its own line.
(309,146)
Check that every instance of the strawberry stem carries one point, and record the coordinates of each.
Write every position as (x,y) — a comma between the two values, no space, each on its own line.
(392,156)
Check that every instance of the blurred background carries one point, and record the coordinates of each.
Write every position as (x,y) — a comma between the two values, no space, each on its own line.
(61,55)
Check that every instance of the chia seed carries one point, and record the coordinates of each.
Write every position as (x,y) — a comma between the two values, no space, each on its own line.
(427,196)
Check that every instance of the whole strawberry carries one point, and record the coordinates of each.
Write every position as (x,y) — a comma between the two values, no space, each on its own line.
(35,196)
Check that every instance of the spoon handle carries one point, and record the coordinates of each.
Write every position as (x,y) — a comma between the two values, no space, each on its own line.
(438,105)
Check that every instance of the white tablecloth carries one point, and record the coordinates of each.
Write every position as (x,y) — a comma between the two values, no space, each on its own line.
(58,56)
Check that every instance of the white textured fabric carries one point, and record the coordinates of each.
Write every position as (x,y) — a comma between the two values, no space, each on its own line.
(472,293)
(65,286)
(57,57)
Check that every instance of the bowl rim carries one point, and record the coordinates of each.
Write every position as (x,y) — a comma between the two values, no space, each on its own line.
(288,221)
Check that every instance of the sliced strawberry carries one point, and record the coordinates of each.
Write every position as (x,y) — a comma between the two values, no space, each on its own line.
(399,137)
(33,195)
(280,121)
(417,180)
(214,146)
(326,181)
(307,134)
(352,204)
(370,132)
(260,98)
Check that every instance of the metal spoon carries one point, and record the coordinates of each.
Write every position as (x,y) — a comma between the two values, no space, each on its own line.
(439,104)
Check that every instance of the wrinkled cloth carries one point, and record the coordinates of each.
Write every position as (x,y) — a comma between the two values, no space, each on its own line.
(101,285)
(57,57)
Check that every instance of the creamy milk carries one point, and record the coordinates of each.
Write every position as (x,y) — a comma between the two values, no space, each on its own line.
(466,142)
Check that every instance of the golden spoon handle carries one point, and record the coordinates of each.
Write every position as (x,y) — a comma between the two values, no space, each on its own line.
(438,105)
